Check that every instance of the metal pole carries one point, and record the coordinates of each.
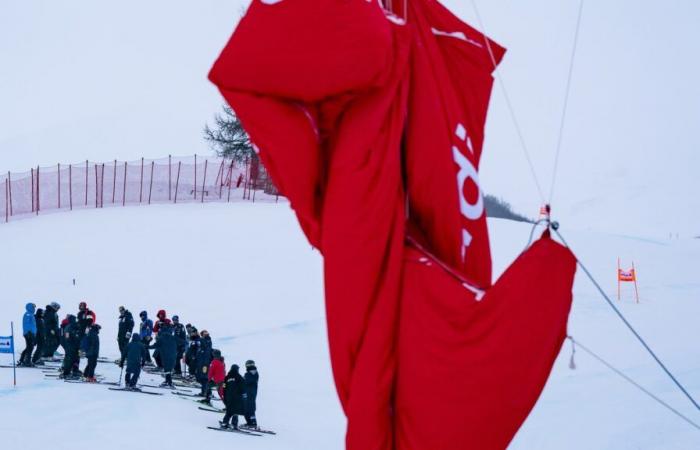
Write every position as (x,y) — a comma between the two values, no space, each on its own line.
(102,187)
(195,177)
(9,179)
(230,181)
(70,185)
(114,181)
(96,193)
(124,192)
(141,184)
(636,291)
(37,190)
(204,179)
(150,188)
(32,172)
(7,201)
(14,362)
(169,177)
(177,181)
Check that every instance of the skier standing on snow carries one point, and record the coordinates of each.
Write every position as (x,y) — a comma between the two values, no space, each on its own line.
(29,333)
(146,333)
(251,389)
(162,319)
(234,390)
(135,359)
(53,333)
(216,377)
(192,351)
(40,337)
(203,360)
(71,344)
(126,327)
(181,341)
(167,351)
(91,347)
(84,317)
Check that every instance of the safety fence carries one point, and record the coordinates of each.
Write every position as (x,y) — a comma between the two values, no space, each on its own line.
(120,183)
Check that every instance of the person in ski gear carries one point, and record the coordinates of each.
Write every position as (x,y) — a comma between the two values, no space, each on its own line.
(251,389)
(203,360)
(146,333)
(40,337)
(192,351)
(29,333)
(181,341)
(126,327)
(166,347)
(90,345)
(53,332)
(71,344)
(62,329)
(216,377)
(135,359)
(85,316)
(162,320)
(234,391)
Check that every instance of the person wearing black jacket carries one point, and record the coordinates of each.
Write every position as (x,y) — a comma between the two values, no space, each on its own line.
(53,333)
(234,393)
(203,360)
(192,350)
(166,347)
(91,347)
(40,337)
(135,359)
(71,343)
(126,327)
(251,389)
(181,341)
(85,318)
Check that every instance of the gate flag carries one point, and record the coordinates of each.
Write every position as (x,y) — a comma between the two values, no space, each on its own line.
(7,344)
(372,127)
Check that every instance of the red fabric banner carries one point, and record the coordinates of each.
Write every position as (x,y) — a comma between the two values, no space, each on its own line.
(347,106)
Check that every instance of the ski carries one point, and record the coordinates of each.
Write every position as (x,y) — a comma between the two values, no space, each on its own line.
(231,430)
(138,391)
(256,430)
(212,409)
(110,383)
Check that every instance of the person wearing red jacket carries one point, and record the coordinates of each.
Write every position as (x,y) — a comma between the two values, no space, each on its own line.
(217,375)
(162,319)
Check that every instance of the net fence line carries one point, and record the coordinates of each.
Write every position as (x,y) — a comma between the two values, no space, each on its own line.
(120,183)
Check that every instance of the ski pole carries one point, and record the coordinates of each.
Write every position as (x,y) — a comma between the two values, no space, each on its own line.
(120,374)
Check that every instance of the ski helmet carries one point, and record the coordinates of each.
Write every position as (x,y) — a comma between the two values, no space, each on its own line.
(250,363)
(216,353)
(82,306)
(176,318)
(143,314)
(55,305)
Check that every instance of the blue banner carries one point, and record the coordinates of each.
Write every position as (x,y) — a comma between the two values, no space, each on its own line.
(7,344)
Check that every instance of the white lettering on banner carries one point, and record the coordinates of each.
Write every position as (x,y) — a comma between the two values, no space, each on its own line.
(471,211)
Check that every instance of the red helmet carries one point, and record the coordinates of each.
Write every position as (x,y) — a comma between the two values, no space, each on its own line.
(161,314)
(82,306)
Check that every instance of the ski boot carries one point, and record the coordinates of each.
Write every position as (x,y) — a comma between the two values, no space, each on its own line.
(223,424)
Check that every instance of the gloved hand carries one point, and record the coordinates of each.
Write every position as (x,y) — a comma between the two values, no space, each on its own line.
(127,335)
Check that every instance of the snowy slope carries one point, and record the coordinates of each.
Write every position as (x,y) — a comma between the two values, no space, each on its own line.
(244,272)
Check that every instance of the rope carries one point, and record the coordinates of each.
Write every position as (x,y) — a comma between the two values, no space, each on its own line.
(631,328)
(634,383)
(566,102)
(511,110)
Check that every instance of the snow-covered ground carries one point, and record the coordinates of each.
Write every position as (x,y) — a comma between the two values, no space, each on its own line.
(245,272)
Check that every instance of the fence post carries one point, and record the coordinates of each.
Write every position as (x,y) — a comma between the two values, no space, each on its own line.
(204,179)
(114,181)
(7,201)
(102,187)
(150,188)
(141,184)
(58,171)
(169,177)
(220,178)
(70,186)
(97,196)
(37,191)
(32,171)
(195,176)
(230,181)
(87,170)
(177,181)
(9,179)
(124,192)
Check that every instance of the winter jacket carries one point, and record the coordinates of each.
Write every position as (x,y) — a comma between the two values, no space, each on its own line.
(166,346)
(217,371)
(162,319)
(234,391)
(91,342)
(204,353)
(193,349)
(28,321)
(180,337)
(135,354)
(70,339)
(84,318)
(51,321)
(40,328)
(126,325)
(146,328)
(251,382)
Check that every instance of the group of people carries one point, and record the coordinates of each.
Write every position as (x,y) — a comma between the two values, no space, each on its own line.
(173,344)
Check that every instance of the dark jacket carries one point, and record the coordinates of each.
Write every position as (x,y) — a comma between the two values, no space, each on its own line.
(91,342)
(70,338)
(180,337)
(126,325)
(51,321)
(204,354)
(166,345)
(85,319)
(40,328)
(192,349)
(234,390)
(251,382)
(135,354)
